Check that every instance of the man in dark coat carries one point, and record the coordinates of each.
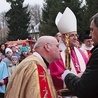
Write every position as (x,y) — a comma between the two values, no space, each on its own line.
(86,86)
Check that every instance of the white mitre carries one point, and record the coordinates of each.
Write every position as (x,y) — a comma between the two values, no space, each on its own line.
(66,22)
(59,15)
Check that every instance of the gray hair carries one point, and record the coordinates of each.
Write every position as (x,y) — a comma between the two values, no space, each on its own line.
(95,18)
(38,43)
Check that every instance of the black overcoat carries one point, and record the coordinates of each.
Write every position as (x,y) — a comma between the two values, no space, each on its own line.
(87,85)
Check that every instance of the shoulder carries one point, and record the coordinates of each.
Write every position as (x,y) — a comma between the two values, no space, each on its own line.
(3,63)
(5,59)
(94,51)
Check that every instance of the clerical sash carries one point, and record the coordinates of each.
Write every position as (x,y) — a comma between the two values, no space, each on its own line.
(31,80)
(80,58)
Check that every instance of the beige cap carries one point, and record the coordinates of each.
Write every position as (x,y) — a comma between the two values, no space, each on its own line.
(66,22)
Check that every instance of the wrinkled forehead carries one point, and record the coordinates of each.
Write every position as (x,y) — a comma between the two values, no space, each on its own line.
(70,33)
(44,40)
(49,39)
(52,42)
(74,32)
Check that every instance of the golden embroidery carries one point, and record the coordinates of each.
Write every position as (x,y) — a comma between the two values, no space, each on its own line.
(46,93)
(43,76)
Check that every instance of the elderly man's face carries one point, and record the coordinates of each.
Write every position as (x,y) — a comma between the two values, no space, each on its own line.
(94,32)
(54,51)
(73,36)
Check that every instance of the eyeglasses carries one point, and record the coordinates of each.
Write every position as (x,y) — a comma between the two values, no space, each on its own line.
(74,35)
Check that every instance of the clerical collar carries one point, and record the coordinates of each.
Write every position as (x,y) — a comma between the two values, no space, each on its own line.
(96,46)
(37,54)
(47,64)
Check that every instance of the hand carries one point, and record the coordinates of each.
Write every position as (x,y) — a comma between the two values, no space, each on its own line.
(1,82)
(65,73)
(80,74)
(59,96)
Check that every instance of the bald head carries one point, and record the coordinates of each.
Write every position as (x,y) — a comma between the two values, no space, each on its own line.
(48,48)
(44,40)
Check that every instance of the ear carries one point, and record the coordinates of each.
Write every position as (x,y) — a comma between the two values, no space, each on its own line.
(47,47)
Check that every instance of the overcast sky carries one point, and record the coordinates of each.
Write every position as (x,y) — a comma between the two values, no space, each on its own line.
(4,6)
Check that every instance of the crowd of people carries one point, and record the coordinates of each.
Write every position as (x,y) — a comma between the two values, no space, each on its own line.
(44,73)
(10,57)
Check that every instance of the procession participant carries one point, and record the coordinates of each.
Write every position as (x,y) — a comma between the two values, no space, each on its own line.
(7,59)
(88,43)
(2,49)
(86,86)
(15,62)
(3,77)
(58,36)
(31,78)
(78,59)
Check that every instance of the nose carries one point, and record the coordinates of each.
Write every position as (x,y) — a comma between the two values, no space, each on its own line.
(90,34)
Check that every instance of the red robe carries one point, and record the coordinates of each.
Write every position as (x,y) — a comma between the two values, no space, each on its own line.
(57,67)
(56,70)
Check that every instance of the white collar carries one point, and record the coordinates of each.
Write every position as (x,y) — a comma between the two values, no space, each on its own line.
(37,54)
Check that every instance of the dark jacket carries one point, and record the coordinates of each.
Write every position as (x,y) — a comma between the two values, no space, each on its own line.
(87,85)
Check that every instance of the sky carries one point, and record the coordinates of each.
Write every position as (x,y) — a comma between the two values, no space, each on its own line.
(4,6)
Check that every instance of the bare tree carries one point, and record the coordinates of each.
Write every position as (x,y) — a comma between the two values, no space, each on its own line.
(36,14)
(3,27)
(3,23)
